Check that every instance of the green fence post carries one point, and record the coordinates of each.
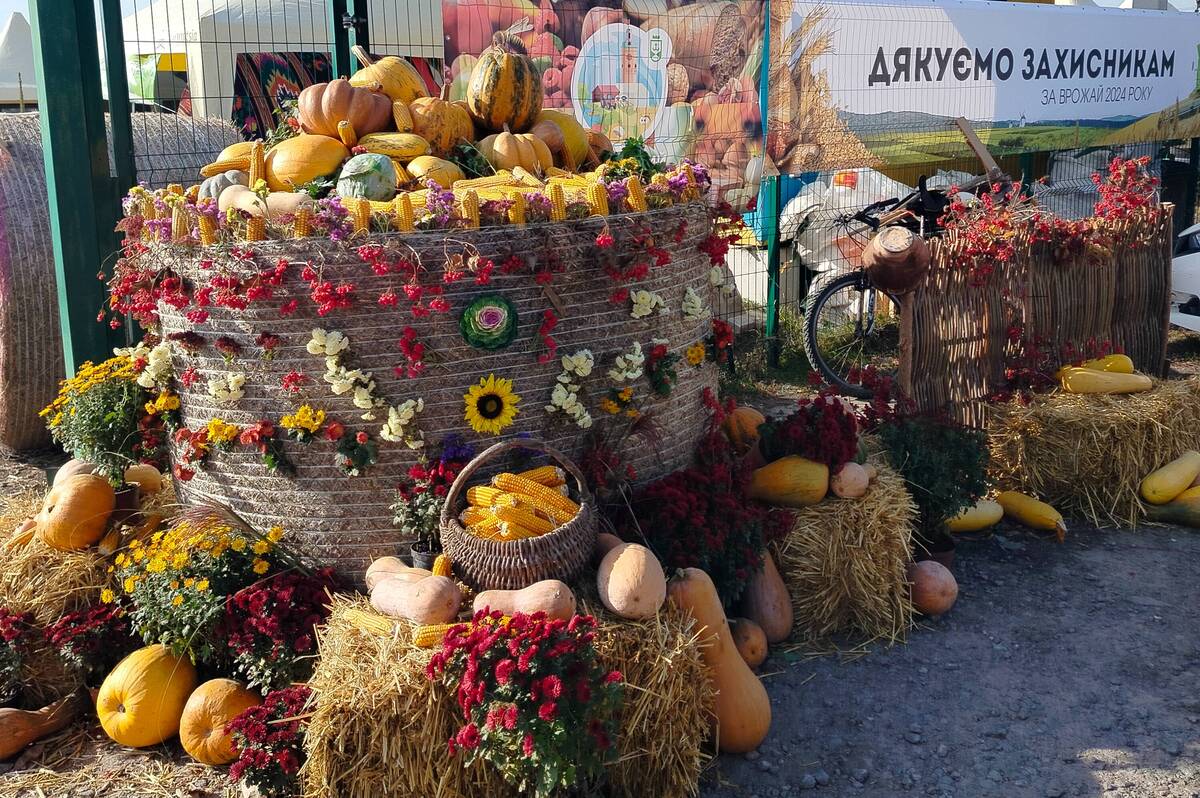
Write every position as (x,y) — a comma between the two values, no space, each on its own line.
(339,54)
(771,211)
(118,96)
(82,195)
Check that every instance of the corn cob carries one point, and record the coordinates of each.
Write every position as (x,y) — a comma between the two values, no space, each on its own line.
(149,209)
(441,566)
(431,635)
(488,528)
(501,178)
(558,203)
(258,167)
(192,194)
(403,178)
(208,230)
(693,190)
(510,531)
(470,208)
(516,212)
(540,495)
(217,167)
(554,171)
(362,216)
(597,197)
(176,189)
(180,227)
(525,178)
(371,623)
(472,515)
(404,213)
(256,228)
(548,475)
(402,117)
(570,181)
(522,517)
(302,223)
(487,496)
(637,195)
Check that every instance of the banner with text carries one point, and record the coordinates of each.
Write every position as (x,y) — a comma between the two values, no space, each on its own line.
(880,82)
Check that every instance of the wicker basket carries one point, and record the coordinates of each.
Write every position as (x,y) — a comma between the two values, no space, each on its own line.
(512,565)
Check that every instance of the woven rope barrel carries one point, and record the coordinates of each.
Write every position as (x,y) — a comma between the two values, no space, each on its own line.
(346,521)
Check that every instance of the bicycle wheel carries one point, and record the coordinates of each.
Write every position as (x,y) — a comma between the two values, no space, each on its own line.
(848,325)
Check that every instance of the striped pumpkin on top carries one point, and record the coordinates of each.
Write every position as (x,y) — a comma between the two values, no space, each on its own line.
(505,90)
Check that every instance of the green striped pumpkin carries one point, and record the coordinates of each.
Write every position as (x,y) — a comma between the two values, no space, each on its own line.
(505,90)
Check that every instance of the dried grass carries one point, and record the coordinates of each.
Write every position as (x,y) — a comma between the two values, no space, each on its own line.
(844,564)
(1087,454)
(380,727)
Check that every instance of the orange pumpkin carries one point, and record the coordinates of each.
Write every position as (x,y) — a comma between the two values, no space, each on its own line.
(443,124)
(293,162)
(741,428)
(322,106)
(505,90)
(934,588)
(141,701)
(209,707)
(75,513)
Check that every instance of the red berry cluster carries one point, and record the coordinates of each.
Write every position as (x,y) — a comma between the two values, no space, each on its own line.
(414,354)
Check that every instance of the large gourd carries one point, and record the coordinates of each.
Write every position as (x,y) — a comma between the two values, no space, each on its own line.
(75,513)
(202,727)
(549,596)
(741,428)
(443,124)
(391,75)
(766,601)
(433,599)
(1079,380)
(791,481)
(505,90)
(743,710)
(141,701)
(934,588)
(1174,478)
(20,727)
(510,150)
(427,167)
(575,149)
(1032,513)
(631,582)
(981,515)
(322,106)
(293,162)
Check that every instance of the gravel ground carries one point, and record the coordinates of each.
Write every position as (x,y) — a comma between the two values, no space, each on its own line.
(1062,671)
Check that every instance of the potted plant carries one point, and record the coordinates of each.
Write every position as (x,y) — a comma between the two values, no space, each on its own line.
(419,499)
(945,468)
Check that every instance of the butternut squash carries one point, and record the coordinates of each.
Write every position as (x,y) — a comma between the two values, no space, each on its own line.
(1166,483)
(20,727)
(434,599)
(1078,380)
(631,582)
(983,514)
(549,596)
(790,481)
(386,567)
(767,603)
(1032,513)
(742,712)
(750,640)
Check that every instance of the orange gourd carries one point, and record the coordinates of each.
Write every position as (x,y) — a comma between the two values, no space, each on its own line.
(70,469)
(322,106)
(741,428)
(20,727)
(934,588)
(209,707)
(293,162)
(750,641)
(145,476)
(766,601)
(141,702)
(75,514)
(443,124)
(742,712)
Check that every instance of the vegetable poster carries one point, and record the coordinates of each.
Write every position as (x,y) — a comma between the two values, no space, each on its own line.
(680,75)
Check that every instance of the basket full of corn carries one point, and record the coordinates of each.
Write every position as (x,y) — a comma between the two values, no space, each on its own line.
(518,528)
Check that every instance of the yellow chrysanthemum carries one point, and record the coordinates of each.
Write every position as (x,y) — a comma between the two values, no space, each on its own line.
(610,407)
(261,547)
(189,582)
(491,405)
(174,584)
(156,566)
(107,596)
(305,418)
(202,585)
(261,566)
(238,545)
(626,394)
(129,584)
(275,534)
(177,600)
(695,354)
(220,432)
(179,560)
(122,560)
(633,413)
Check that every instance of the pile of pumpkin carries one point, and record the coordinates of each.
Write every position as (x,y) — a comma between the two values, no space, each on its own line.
(404,138)
(1113,374)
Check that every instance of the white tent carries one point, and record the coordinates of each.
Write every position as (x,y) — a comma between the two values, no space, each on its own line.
(211,35)
(17,78)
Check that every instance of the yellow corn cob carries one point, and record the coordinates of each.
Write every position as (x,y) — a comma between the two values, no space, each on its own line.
(693,190)
(548,475)
(487,496)
(362,216)
(180,226)
(525,178)
(597,197)
(659,180)
(402,117)
(637,195)
(516,213)
(345,131)
(256,228)
(488,528)
(208,230)
(149,210)
(473,515)
(554,171)
(302,223)
(502,177)
(470,208)
(217,167)
(510,531)
(403,178)
(176,189)
(371,623)
(541,496)
(258,168)
(431,635)
(522,517)
(570,181)
(558,203)
(441,566)
(404,213)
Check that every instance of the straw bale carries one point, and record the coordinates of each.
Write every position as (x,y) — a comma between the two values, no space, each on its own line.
(379,727)
(1087,454)
(844,564)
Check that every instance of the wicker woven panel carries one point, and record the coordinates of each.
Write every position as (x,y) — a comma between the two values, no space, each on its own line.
(954,333)
(347,521)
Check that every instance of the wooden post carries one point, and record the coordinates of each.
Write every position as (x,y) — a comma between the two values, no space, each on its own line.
(84,200)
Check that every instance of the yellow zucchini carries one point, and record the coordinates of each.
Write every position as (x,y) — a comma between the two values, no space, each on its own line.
(1080,380)
(1032,513)
(983,514)
(1166,483)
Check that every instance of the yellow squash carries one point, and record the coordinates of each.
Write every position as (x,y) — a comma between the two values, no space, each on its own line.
(403,146)
(141,702)
(1032,513)
(790,481)
(1115,364)
(981,515)
(1183,511)
(1174,478)
(1080,380)
(393,76)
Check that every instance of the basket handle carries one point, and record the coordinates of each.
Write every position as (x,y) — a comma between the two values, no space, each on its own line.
(496,449)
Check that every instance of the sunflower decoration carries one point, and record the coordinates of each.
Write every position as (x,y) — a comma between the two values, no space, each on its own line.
(491,405)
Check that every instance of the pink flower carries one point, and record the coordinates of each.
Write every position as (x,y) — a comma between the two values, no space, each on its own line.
(604,240)
(548,711)
(527,744)
(334,430)
(361,437)
(504,669)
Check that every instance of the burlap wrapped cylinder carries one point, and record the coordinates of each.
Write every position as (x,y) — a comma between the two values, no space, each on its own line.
(347,521)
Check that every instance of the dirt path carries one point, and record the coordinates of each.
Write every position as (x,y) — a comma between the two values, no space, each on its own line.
(1062,671)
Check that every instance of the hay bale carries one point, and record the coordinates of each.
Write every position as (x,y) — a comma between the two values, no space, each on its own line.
(379,727)
(844,564)
(1087,454)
